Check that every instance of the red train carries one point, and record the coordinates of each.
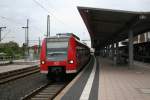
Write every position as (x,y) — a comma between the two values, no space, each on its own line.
(63,54)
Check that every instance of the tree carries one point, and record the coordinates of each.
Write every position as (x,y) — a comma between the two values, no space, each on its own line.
(11,49)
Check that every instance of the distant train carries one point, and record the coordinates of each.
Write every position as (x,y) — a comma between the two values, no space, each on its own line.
(63,54)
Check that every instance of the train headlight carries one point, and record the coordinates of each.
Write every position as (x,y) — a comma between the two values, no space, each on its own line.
(42,62)
(71,62)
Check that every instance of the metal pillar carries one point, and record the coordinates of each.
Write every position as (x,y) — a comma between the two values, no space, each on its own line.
(113,54)
(112,50)
(27,37)
(105,51)
(109,52)
(117,52)
(130,47)
(48,26)
(117,47)
(0,33)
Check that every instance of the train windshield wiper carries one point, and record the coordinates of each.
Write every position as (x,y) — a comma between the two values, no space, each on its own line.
(56,53)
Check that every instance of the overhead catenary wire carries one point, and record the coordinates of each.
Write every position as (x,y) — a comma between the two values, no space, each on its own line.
(6,35)
(53,9)
(51,14)
(16,22)
(10,20)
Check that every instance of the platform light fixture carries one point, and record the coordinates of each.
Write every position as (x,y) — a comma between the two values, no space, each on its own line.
(86,10)
(142,17)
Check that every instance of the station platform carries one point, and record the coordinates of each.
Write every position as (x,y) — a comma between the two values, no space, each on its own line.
(4,63)
(21,61)
(102,80)
(17,65)
(27,62)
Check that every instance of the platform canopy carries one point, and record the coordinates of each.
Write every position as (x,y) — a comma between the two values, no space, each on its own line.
(107,26)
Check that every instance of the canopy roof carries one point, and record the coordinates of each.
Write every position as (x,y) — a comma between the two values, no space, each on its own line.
(107,26)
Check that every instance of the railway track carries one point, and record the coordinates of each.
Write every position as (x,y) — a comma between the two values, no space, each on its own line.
(46,92)
(12,75)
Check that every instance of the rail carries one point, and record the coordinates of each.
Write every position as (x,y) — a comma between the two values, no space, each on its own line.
(12,75)
(46,91)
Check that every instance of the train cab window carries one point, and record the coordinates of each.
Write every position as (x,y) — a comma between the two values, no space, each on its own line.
(57,50)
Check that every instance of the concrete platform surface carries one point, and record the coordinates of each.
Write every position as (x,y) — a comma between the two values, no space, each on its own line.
(25,60)
(84,86)
(12,67)
(122,82)
(102,80)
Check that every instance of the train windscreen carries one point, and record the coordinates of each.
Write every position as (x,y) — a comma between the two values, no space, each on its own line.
(57,50)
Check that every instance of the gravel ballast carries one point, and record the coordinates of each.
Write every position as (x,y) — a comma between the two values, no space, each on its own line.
(16,89)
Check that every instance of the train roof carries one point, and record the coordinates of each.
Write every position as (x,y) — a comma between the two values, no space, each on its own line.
(63,36)
(67,35)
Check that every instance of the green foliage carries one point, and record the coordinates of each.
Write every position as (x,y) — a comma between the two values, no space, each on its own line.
(11,49)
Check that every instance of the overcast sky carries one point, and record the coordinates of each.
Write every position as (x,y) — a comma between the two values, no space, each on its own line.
(64,16)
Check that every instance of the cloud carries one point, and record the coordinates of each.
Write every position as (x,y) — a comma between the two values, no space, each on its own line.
(64,15)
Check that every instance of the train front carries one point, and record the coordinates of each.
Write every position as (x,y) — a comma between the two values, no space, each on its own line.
(53,56)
